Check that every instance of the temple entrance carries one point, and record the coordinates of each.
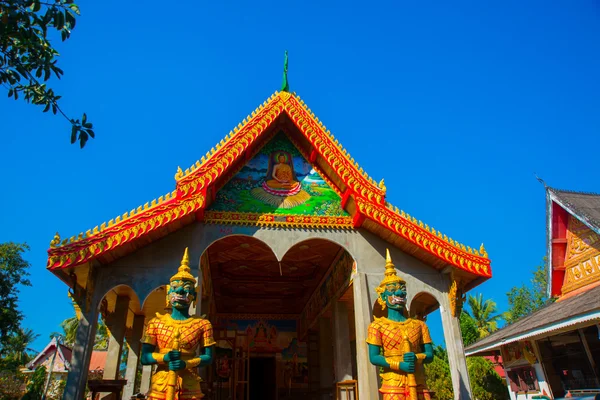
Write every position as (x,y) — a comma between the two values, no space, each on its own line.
(263,378)
(275,318)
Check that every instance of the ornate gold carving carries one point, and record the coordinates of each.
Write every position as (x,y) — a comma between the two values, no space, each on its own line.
(455,296)
(582,263)
(276,220)
(130,229)
(410,231)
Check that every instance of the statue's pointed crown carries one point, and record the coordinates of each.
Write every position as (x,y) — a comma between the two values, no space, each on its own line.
(183,273)
(390,271)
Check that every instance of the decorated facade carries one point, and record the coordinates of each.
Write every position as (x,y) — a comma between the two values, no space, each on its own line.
(287,239)
(555,352)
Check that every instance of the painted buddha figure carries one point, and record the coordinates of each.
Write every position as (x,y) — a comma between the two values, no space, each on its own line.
(282,178)
(398,344)
(171,342)
(281,188)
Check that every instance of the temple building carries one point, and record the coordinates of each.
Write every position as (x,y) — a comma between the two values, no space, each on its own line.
(555,352)
(287,238)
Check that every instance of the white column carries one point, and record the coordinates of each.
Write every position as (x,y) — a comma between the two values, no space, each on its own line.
(146,376)
(133,358)
(116,328)
(325,359)
(368,384)
(82,353)
(341,342)
(456,354)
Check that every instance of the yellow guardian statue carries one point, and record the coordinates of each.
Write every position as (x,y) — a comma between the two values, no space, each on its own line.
(172,341)
(398,344)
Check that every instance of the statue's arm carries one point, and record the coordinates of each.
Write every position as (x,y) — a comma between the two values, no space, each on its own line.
(207,357)
(376,358)
(428,351)
(147,354)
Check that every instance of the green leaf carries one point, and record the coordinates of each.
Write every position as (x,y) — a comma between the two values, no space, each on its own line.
(73,134)
(75,9)
(84,120)
(36,5)
(83,138)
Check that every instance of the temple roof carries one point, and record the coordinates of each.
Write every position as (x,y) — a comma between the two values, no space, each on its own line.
(361,196)
(585,205)
(551,318)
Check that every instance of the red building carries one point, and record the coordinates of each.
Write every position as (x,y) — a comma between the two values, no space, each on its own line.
(555,352)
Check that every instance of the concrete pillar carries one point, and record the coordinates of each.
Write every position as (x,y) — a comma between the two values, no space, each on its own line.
(325,359)
(82,353)
(368,383)
(456,354)
(341,342)
(133,358)
(145,382)
(116,327)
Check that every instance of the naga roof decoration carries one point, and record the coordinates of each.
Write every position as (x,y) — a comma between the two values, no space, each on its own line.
(195,187)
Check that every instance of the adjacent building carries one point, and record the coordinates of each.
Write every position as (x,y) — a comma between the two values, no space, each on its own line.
(555,352)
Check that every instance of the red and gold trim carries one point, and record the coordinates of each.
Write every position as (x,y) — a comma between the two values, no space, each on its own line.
(425,239)
(276,220)
(132,228)
(193,185)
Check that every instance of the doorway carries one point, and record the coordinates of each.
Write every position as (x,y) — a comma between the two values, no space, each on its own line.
(263,380)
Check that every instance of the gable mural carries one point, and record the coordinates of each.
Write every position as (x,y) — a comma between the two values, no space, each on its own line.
(279,181)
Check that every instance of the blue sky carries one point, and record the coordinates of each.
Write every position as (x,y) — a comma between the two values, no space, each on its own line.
(456,104)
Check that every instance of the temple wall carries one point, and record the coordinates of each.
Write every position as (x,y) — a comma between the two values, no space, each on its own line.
(153,265)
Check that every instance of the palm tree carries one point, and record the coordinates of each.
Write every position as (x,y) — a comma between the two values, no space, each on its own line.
(484,314)
(19,345)
(70,326)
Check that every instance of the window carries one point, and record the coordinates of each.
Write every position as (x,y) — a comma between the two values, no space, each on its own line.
(523,379)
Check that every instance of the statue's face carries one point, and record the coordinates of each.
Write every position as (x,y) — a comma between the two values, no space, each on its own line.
(281,159)
(181,294)
(395,296)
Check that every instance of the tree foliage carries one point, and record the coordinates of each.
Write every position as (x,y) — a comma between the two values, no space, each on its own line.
(438,375)
(11,385)
(13,273)
(35,386)
(468,329)
(484,314)
(524,300)
(486,384)
(27,58)
(69,333)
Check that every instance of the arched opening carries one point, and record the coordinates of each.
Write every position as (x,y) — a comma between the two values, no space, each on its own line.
(270,314)
(422,305)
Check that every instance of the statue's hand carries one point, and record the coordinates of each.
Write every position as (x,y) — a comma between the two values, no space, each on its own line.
(173,355)
(176,365)
(408,365)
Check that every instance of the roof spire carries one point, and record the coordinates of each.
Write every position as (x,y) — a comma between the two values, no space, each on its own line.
(285,86)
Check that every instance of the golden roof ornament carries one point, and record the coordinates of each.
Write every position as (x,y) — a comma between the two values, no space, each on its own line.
(179,174)
(183,273)
(390,273)
(483,251)
(382,186)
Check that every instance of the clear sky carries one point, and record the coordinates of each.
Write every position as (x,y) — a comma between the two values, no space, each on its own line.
(456,104)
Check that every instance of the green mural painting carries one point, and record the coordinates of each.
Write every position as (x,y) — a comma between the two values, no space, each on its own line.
(279,180)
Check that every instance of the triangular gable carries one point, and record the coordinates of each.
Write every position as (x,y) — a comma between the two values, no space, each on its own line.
(197,186)
(573,240)
(279,192)
(61,363)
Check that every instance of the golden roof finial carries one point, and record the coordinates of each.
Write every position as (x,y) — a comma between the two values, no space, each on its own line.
(55,241)
(183,273)
(483,251)
(179,174)
(382,185)
(390,273)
